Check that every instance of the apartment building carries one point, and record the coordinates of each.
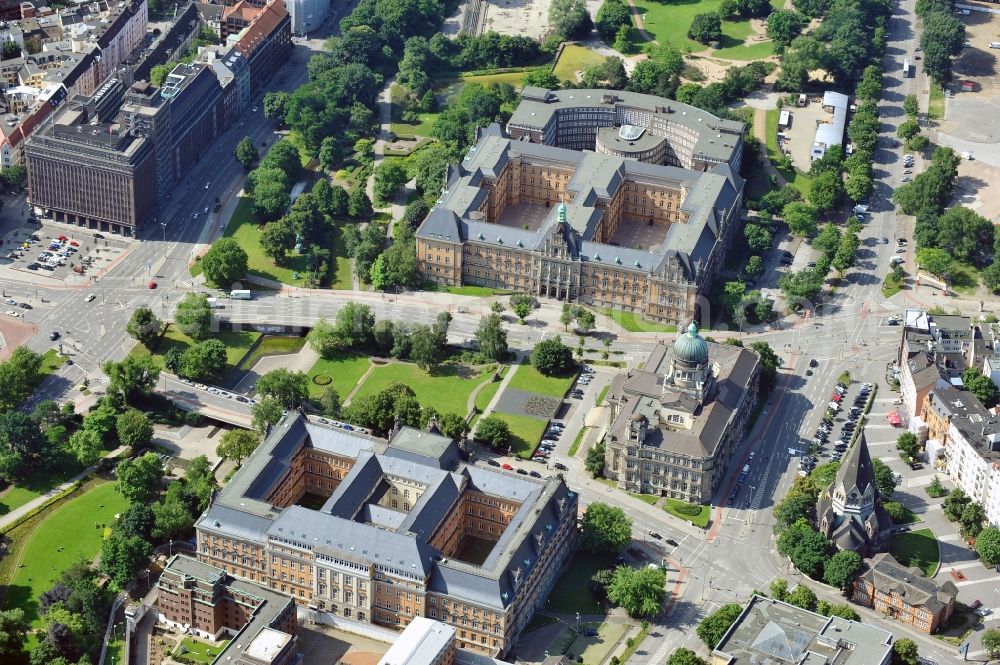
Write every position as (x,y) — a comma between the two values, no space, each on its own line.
(582,227)
(674,426)
(968,434)
(932,348)
(904,594)
(205,601)
(629,125)
(405,530)
(771,631)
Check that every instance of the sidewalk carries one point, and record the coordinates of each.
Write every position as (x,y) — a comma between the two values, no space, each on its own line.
(17,513)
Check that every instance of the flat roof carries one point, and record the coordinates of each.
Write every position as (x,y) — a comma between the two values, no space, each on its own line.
(268,644)
(420,644)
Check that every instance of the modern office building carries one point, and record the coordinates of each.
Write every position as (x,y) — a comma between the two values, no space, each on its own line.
(87,172)
(405,529)
(675,425)
(205,601)
(904,594)
(849,511)
(582,227)
(770,631)
(630,125)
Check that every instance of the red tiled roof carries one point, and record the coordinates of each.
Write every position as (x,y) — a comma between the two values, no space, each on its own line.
(262,26)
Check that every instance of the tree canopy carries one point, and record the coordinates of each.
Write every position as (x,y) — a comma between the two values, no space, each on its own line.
(605,528)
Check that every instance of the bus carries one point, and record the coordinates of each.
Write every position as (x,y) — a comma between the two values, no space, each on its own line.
(241,295)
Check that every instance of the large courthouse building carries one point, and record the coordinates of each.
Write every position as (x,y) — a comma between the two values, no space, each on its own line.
(593,210)
(404,529)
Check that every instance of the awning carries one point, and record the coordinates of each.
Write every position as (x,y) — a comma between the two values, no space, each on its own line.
(893,417)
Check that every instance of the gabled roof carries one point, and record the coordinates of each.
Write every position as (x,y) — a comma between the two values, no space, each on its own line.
(889,576)
(856,473)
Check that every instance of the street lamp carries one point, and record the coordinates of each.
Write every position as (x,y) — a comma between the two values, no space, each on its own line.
(163,225)
(578,622)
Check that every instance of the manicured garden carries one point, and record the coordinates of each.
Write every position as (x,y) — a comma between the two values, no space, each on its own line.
(697,514)
(916,548)
(525,432)
(572,592)
(446,388)
(668,22)
(529,379)
(196,651)
(573,59)
(73,531)
(237,343)
(344,372)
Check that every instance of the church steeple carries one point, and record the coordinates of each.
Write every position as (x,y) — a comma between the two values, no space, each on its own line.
(562,213)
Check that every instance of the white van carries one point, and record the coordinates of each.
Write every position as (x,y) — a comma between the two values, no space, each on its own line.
(894,259)
(994,44)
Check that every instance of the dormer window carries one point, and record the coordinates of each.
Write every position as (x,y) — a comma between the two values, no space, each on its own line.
(675,418)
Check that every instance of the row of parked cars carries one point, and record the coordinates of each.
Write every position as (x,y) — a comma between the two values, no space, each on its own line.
(586,376)
(336,423)
(825,430)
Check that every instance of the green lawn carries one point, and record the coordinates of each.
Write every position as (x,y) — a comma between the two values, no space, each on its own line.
(575,59)
(485,396)
(935,105)
(51,361)
(602,395)
(296,140)
(668,22)
(571,592)
(272,345)
(529,379)
(526,432)
(38,483)
(75,530)
(245,227)
(201,652)
(633,322)
(596,649)
(345,370)
(447,389)
(793,177)
(964,278)
(472,290)
(577,441)
(700,520)
(916,548)
(423,128)
(237,345)
(891,286)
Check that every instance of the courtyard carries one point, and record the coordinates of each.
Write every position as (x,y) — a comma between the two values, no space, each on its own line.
(527,216)
(637,234)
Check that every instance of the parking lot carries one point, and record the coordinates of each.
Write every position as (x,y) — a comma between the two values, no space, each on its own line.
(800,134)
(974,115)
(60,252)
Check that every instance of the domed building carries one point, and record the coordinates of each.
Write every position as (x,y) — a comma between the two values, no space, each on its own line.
(675,425)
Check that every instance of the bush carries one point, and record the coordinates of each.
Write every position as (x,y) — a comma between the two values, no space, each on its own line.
(322,379)
(688,509)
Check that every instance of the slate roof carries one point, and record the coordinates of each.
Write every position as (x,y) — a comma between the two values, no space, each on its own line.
(888,575)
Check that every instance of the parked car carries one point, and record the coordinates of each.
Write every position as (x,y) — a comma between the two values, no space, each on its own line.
(493,462)
(522,472)
(653,534)
(506,467)
(560,466)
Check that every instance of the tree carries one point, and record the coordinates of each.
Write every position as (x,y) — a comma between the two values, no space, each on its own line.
(569,18)
(840,570)
(639,591)
(795,506)
(758,238)
(594,462)
(194,316)
(754,267)
(288,387)
(204,361)
(171,516)
(981,386)
(225,262)
(825,191)
(991,642)
(605,528)
(521,308)
(138,480)
(13,632)
(246,152)
(769,361)
(612,15)
(988,546)
(131,377)
(860,185)
(907,444)
(542,78)
(779,589)
(806,547)
(491,337)
(277,238)
(144,327)
(910,105)
(705,28)
(943,38)
(955,504)
(23,449)
(713,627)
(551,357)
(935,261)
(801,218)
(585,320)
(274,105)
(329,402)
(904,652)
(389,178)
(121,558)
(453,425)
(134,429)
(908,129)
(885,479)
(136,520)
(802,596)
(495,431)
(18,377)
(965,234)
(972,519)
(783,26)
(87,446)
(684,656)
(358,204)
(266,413)
(236,445)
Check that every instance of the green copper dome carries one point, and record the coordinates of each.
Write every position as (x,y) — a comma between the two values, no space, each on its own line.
(691,347)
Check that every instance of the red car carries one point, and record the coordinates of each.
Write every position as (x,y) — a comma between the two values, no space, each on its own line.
(506,467)
(836,397)
(152,285)
(74,243)
(63,238)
